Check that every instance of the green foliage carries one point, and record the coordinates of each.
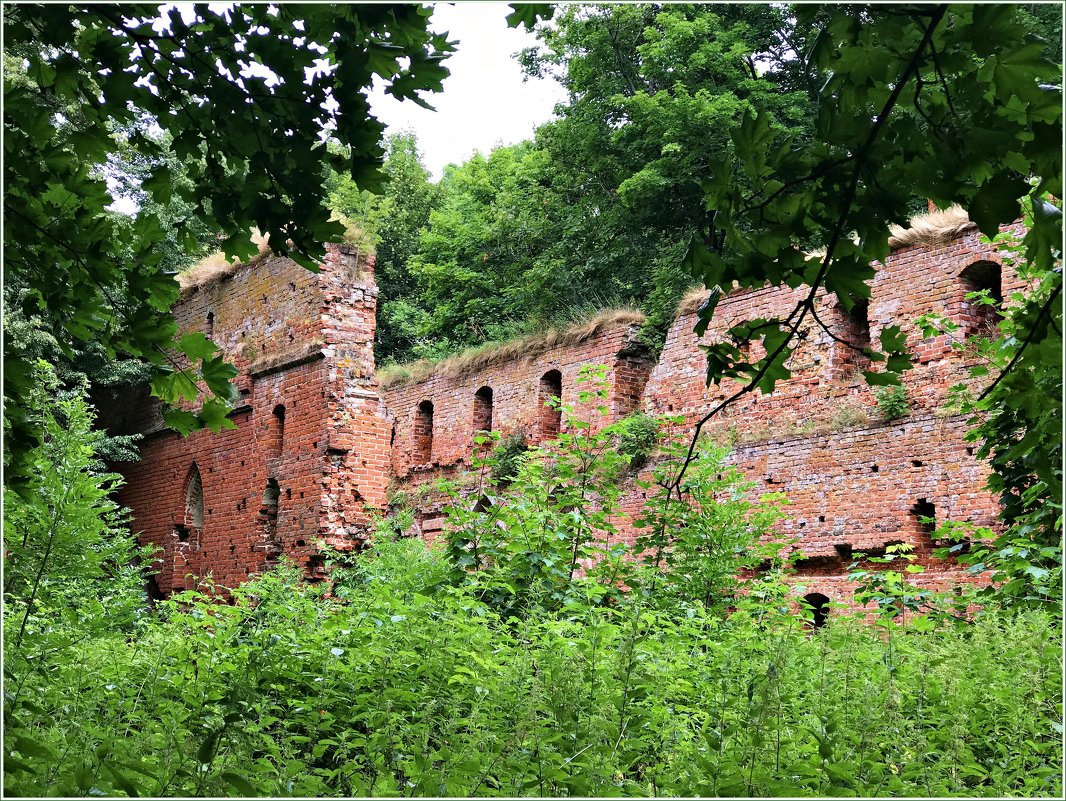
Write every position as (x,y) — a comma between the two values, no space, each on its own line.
(551,541)
(507,457)
(1017,422)
(952,103)
(510,662)
(83,88)
(695,540)
(892,402)
(393,691)
(602,203)
(67,554)
(70,573)
(638,436)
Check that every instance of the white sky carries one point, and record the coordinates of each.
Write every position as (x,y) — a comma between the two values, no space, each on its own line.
(485,102)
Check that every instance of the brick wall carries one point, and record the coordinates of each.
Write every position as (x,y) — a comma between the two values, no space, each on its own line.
(519,388)
(318,441)
(854,481)
(310,444)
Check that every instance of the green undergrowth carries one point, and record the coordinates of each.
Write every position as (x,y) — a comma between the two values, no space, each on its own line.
(506,661)
(395,689)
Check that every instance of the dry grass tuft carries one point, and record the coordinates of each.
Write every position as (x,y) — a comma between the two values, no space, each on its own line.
(216,265)
(692,300)
(524,348)
(931,228)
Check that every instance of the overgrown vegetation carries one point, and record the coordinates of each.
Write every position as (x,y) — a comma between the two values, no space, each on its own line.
(535,652)
(892,402)
(509,662)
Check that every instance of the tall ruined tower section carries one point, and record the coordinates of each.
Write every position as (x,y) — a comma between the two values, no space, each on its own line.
(309,453)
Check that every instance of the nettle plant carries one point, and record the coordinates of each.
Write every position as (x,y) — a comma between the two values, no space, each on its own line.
(547,538)
(697,538)
(542,533)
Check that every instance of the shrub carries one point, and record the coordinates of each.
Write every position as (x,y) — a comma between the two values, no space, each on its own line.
(892,402)
(507,457)
(638,435)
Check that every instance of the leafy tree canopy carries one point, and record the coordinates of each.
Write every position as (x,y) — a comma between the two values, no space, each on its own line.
(954,103)
(240,102)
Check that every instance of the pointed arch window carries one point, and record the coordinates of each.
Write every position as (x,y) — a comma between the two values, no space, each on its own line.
(549,414)
(483,409)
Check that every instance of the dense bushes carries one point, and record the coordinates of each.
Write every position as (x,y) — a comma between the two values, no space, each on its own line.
(509,663)
(394,691)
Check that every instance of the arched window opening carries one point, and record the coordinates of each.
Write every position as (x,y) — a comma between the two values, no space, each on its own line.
(983,283)
(424,433)
(819,608)
(194,500)
(268,521)
(549,414)
(275,439)
(209,328)
(483,409)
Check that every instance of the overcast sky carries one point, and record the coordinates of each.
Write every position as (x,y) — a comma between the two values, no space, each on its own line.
(484,102)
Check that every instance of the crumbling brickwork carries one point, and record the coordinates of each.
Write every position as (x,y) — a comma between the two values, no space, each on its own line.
(318,441)
(310,449)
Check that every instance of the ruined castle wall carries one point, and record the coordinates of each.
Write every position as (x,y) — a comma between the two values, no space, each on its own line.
(357,430)
(518,392)
(854,481)
(268,486)
(317,441)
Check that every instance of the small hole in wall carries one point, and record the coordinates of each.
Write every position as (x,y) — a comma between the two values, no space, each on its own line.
(843,551)
(821,518)
(316,443)
(916,462)
(969,451)
(288,492)
(301,494)
(300,543)
(803,523)
(874,468)
(242,462)
(292,285)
